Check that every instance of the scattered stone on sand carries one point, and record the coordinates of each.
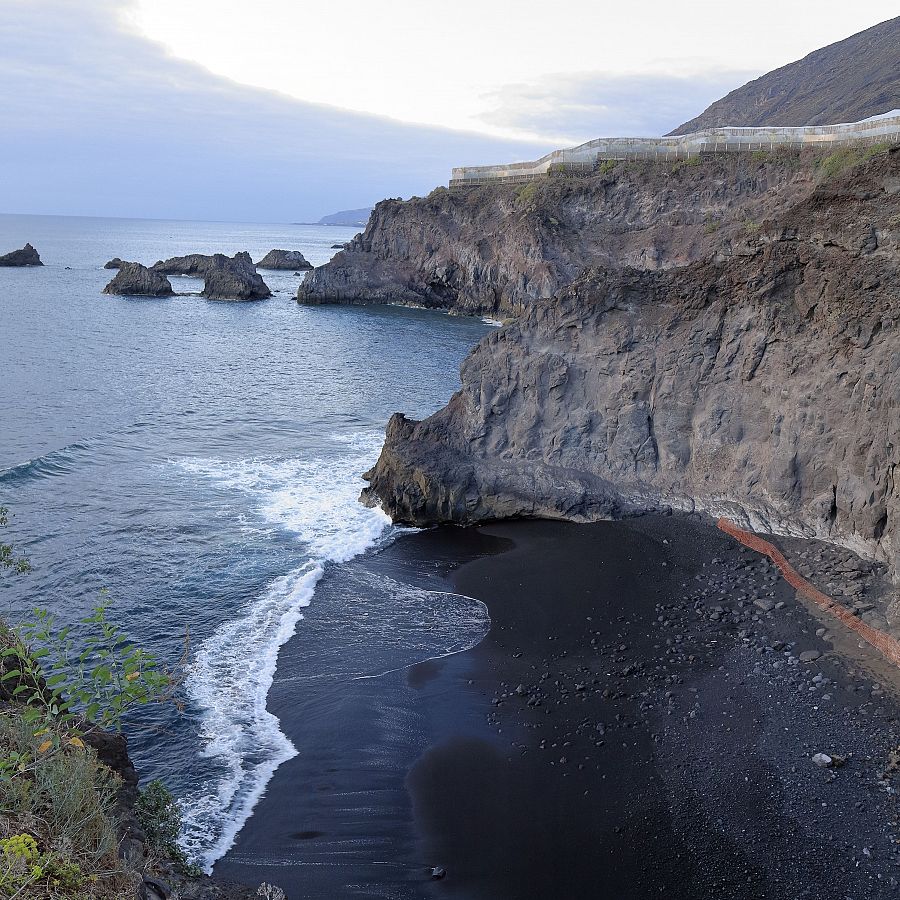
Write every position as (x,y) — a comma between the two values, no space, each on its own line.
(284,259)
(27,256)
(808,656)
(438,872)
(764,604)
(823,760)
(135,280)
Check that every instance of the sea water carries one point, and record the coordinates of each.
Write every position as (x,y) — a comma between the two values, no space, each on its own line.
(200,462)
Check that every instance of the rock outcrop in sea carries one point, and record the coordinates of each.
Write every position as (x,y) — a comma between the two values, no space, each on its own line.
(233,278)
(284,259)
(114,263)
(759,382)
(136,280)
(194,264)
(224,277)
(27,256)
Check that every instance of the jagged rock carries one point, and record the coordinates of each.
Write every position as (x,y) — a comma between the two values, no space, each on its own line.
(135,280)
(114,263)
(760,386)
(27,256)
(284,259)
(497,250)
(194,264)
(233,278)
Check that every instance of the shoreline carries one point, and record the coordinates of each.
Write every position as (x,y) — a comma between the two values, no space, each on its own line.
(628,726)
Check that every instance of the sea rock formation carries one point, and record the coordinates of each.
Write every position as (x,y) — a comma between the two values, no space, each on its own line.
(496,250)
(135,280)
(194,264)
(27,256)
(114,263)
(284,259)
(760,384)
(224,278)
(233,278)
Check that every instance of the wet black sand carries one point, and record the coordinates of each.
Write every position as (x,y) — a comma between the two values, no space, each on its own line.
(633,726)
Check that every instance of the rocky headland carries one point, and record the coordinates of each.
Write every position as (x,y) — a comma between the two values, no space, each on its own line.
(27,256)
(136,280)
(284,259)
(114,263)
(748,370)
(496,250)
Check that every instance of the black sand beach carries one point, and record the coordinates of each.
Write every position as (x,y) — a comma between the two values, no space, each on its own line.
(634,725)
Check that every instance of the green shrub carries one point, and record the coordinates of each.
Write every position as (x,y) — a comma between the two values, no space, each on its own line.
(57,824)
(158,814)
(527,193)
(687,163)
(606,166)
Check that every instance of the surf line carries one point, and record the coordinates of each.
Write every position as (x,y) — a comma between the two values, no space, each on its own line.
(888,647)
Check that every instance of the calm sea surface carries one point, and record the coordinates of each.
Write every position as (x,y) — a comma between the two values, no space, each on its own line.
(200,461)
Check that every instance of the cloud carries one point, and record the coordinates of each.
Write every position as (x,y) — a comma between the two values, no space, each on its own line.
(572,109)
(99,121)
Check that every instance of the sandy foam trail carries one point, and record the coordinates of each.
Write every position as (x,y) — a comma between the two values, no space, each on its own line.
(232,672)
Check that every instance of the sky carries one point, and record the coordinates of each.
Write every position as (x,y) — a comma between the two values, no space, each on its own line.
(282,110)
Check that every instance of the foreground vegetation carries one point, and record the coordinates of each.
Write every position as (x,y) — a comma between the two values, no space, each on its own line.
(60,819)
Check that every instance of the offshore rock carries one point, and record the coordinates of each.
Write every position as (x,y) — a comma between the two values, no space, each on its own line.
(135,280)
(499,249)
(194,264)
(233,278)
(27,256)
(284,259)
(761,385)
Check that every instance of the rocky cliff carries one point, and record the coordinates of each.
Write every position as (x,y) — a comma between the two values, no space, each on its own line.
(761,382)
(843,82)
(496,250)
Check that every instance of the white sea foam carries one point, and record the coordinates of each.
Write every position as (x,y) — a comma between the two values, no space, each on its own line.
(496,323)
(230,677)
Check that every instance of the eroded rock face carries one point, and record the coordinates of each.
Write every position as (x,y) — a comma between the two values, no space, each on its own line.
(114,263)
(135,280)
(762,386)
(284,259)
(497,250)
(27,256)
(194,264)
(233,278)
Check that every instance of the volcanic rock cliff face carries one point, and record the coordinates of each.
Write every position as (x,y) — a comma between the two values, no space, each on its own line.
(497,250)
(762,384)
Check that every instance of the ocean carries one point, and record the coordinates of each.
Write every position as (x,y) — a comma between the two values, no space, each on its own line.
(200,463)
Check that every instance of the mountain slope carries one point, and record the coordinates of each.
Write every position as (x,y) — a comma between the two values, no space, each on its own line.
(844,82)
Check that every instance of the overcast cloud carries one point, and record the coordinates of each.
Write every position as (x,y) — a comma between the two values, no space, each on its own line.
(101,122)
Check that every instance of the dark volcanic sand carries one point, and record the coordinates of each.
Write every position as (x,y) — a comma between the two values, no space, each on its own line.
(631,727)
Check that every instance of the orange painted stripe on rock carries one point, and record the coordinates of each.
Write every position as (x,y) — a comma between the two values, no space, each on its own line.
(889,647)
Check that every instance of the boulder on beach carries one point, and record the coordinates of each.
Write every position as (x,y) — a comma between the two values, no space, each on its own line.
(135,280)
(284,259)
(233,278)
(27,256)
(114,263)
